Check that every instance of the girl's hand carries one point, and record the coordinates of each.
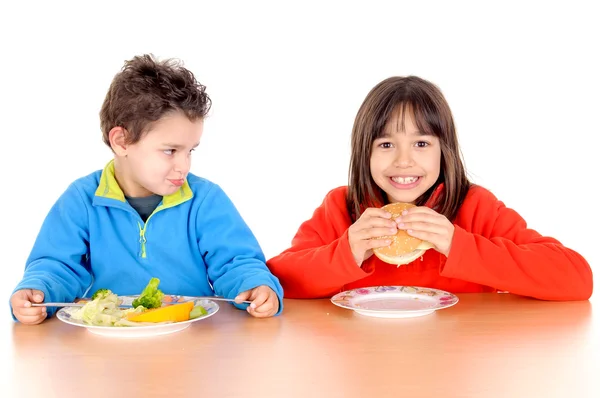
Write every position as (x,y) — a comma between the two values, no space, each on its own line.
(428,225)
(21,306)
(264,301)
(373,223)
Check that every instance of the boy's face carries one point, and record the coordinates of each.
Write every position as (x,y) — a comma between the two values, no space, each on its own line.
(160,161)
(405,164)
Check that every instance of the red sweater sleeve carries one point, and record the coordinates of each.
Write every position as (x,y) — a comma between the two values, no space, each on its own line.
(493,246)
(319,262)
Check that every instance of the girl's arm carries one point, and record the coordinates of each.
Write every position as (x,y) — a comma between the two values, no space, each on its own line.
(319,262)
(493,246)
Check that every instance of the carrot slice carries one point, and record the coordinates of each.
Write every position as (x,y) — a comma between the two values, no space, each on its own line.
(173,313)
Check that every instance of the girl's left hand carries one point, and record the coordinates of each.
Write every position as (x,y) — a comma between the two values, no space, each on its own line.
(428,225)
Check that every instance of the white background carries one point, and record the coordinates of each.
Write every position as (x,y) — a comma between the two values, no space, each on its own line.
(286,80)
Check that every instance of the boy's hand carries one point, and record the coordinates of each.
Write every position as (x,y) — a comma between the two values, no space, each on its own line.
(21,306)
(264,301)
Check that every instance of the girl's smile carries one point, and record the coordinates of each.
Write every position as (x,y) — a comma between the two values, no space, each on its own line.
(405,182)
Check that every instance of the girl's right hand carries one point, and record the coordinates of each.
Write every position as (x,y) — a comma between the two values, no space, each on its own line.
(21,306)
(372,223)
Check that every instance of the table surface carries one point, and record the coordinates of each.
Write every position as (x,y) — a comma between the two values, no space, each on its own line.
(487,345)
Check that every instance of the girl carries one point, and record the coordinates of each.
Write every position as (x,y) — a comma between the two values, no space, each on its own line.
(405,149)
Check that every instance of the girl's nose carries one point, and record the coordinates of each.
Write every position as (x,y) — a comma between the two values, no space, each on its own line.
(403,158)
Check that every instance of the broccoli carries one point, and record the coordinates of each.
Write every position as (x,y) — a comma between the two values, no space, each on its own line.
(101,293)
(151,296)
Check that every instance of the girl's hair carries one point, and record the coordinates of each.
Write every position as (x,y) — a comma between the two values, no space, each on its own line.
(433,116)
(147,89)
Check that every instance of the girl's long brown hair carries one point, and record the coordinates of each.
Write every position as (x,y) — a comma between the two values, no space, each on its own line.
(432,115)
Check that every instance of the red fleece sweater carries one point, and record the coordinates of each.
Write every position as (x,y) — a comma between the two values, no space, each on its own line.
(492,250)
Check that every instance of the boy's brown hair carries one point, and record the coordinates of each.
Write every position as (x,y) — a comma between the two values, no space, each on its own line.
(433,116)
(145,90)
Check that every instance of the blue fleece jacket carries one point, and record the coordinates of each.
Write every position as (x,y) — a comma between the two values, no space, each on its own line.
(195,242)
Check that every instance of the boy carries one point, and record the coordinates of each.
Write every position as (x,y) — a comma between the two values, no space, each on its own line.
(144,215)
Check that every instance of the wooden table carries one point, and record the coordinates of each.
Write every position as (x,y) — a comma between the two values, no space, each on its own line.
(488,345)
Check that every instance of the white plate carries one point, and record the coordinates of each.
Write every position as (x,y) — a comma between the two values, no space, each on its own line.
(145,330)
(394,301)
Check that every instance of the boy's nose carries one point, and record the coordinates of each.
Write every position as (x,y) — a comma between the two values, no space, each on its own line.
(182,165)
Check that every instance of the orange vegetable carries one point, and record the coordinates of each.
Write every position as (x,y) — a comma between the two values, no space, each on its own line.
(174,313)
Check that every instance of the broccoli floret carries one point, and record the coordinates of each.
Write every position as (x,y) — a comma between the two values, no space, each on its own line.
(101,293)
(151,296)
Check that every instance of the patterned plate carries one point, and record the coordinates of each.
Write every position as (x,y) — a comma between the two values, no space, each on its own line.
(394,301)
(145,330)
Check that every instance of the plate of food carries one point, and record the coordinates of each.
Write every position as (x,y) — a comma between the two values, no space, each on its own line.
(394,301)
(150,313)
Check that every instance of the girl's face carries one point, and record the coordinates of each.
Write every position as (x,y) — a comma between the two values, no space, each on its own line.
(405,163)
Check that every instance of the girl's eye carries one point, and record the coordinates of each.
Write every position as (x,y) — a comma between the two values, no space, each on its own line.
(385,145)
(169,151)
(422,144)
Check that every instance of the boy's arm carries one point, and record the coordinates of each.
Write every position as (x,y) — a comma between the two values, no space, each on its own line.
(56,264)
(320,262)
(500,251)
(233,256)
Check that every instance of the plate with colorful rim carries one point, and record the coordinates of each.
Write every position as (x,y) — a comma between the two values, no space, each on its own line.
(143,330)
(394,301)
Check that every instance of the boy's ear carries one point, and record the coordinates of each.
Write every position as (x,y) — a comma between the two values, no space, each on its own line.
(117,137)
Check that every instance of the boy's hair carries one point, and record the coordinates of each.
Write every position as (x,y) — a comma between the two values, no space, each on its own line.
(145,90)
(433,116)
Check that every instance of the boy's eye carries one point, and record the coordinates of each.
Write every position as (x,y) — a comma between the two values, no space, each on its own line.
(169,151)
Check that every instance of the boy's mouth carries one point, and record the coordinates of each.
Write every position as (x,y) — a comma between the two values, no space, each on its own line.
(177,183)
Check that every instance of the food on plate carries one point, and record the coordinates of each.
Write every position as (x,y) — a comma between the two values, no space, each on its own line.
(170,313)
(151,297)
(147,309)
(101,293)
(197,312)
(404,248)
(103,310)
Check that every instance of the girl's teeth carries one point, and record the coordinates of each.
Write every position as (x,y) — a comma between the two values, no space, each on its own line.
(407,180)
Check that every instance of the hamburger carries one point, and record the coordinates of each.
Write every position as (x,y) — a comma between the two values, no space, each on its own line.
(404,248)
